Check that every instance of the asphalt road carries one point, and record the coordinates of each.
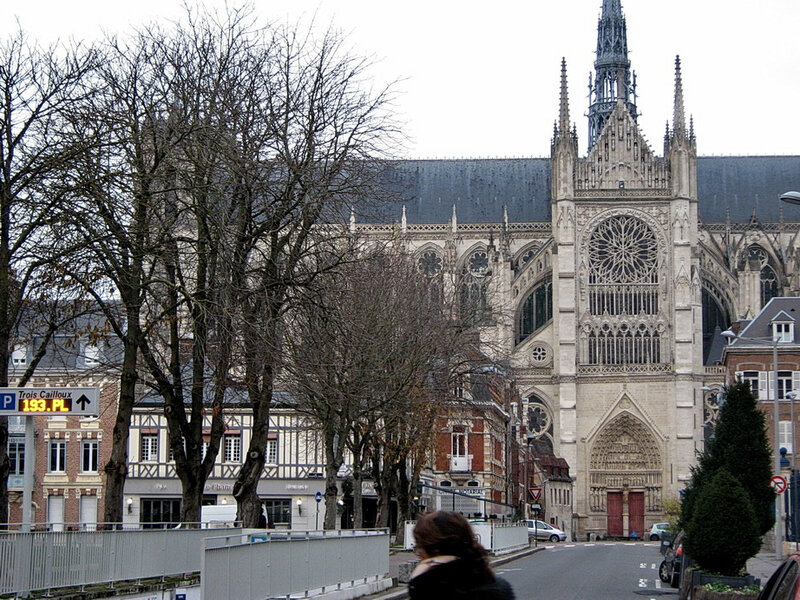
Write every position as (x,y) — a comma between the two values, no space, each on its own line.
(589,571)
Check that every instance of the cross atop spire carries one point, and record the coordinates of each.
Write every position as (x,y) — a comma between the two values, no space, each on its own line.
(613,80)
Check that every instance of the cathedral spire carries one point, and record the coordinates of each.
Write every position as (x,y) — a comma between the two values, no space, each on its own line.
(611,9)
(613,80)
(563,109)
(678,114)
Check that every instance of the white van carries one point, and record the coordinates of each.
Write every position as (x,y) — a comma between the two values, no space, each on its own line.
(216,516)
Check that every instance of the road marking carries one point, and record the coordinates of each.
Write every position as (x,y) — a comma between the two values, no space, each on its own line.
(643,583)
(642,565)
(658,584)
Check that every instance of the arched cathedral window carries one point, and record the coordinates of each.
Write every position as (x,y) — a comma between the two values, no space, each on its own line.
(475,287)
(768,277)
(431,266)
(539,421)
(623,293)
(769,284)
(715,319)
(537,310)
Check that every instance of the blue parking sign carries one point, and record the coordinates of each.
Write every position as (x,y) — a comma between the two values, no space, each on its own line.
(8,400)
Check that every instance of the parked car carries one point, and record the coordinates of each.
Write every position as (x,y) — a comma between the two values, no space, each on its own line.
(657,532)
(545,531)
(784,583)
(672,566)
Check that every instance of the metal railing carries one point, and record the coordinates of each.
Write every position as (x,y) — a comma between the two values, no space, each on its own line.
(46,560)
(495,536)
(280,564)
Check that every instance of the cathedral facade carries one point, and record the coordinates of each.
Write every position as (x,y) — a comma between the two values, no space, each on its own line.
(605,279)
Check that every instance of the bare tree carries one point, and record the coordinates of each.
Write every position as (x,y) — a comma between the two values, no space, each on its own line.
(325,131)
(116,213)
(364,358)
(38,89)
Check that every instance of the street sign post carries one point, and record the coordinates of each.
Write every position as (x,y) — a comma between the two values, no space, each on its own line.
(67,401)
(779,483)
(318,498)
(32,401)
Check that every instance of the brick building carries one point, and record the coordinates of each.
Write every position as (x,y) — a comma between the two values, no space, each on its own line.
(750,356)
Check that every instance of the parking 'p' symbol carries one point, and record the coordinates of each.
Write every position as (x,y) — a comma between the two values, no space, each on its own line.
(8,400)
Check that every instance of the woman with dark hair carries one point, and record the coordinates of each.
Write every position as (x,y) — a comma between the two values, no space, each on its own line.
(452,562)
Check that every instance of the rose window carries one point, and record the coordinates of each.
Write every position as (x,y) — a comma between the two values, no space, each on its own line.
(623,250)
(479,264)
(539,354)
(430,264)
(538,420)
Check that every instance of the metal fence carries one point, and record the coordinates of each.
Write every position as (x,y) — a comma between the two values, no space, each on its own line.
(45,560)
(496,536)
(277,564)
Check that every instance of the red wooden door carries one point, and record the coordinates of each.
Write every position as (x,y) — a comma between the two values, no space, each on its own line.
(614,515)
(636,513)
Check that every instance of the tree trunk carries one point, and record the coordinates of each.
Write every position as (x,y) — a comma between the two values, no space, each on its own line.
(358,498)
(5,468)
(191,501)
(403,501)
(385,496)
(334,450)
(116,469)
(245,490)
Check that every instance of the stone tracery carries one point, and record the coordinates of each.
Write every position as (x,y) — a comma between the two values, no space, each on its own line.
(621,322)
(625,455)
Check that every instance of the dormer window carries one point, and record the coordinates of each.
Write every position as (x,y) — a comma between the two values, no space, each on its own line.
(19,356)
(783,332)
(91,355)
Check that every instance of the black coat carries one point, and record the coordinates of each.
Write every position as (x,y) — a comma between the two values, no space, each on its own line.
(456,581)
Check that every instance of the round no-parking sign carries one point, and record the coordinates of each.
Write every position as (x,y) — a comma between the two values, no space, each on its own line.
(779,483)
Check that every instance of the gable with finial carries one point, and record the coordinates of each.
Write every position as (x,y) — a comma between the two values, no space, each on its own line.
(621,163)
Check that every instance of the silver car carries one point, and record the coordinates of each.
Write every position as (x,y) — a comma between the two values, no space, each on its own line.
(545,531)
(657,532)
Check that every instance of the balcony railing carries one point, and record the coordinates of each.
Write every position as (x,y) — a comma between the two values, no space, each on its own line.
(461,463)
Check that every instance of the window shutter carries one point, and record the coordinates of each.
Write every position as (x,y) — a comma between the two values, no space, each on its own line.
(764,385)
(785,435)
(796,381)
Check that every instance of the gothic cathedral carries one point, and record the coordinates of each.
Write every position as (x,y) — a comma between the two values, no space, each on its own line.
(605,281)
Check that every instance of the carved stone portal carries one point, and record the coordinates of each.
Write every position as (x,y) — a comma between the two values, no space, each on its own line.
(625,456)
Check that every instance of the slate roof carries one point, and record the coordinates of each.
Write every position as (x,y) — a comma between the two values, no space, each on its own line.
(780,309)
(739,185)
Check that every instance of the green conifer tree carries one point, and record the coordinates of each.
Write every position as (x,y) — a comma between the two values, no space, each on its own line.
(741,447)
(711,540)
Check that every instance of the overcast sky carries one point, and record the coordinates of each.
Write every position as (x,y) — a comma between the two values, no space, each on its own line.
(476,81)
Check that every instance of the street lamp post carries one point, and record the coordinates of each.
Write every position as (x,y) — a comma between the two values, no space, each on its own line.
(731,336)
(525,477)
(792,488)
(791,197)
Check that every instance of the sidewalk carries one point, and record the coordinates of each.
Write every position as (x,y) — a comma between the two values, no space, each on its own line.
(763,564)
